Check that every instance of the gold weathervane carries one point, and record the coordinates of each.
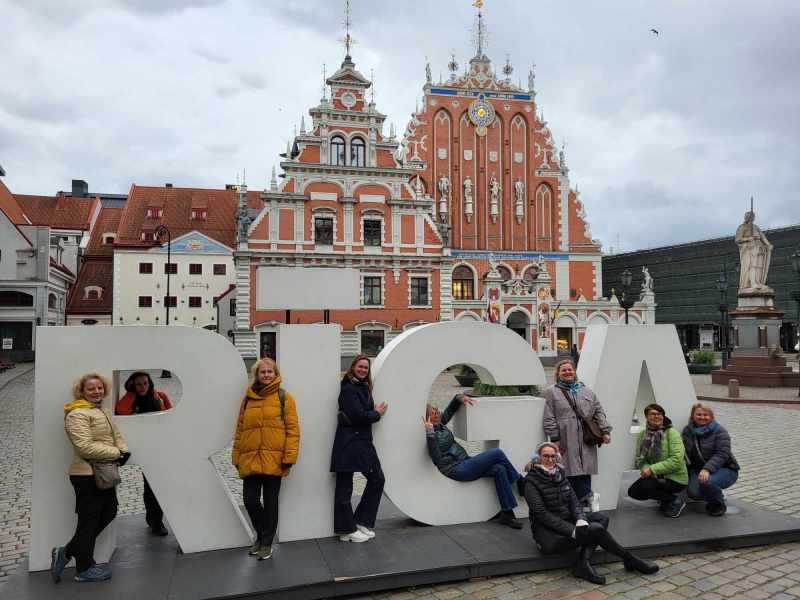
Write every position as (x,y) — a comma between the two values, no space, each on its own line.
(478,4)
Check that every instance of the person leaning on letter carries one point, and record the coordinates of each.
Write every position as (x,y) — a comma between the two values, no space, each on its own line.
(559,524)
(94,438)
(265,447)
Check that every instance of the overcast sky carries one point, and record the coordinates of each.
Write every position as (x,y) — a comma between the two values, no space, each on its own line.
(667,136)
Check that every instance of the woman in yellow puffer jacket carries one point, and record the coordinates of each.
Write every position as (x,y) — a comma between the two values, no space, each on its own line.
(265,447)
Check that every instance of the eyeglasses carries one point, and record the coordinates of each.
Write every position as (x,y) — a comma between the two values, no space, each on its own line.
(551,456)
(654,414)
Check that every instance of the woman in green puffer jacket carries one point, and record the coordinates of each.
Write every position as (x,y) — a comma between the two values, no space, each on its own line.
(660,460)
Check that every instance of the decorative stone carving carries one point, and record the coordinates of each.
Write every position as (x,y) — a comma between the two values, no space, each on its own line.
(492,156)
(755,252)
(468,208)
(518,156)
(494,189)
(441,153)
(647,282)
(444,192)
(519,195)
(467,154)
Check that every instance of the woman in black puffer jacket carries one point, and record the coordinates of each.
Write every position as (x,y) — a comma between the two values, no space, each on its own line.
(559,523)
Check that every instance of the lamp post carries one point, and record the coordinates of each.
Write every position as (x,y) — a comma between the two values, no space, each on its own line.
(722,286)
(795,259)
(625,301)
(160,231)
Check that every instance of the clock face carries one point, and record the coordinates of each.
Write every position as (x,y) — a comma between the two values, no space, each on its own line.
(348,99)
(481,113)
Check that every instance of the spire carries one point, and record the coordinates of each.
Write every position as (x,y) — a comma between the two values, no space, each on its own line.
(479,31)
(347,40)
(288,149)
(324,83)
(244,178)
(392,132)
(372,87)
(302,124)
(273,182)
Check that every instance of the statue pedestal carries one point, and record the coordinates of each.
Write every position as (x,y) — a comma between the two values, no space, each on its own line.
(756,359)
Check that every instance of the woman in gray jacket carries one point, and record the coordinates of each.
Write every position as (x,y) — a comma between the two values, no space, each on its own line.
(565,429)
(712,466)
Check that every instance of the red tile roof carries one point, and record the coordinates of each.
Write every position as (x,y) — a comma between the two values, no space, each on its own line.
(220,224)
(107,222)
(61,268)
(93,272)
(59,211)
(10,206)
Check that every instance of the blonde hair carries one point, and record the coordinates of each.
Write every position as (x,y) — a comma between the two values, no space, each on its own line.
(566,361)
(77,387)
(697,405)
(258,364)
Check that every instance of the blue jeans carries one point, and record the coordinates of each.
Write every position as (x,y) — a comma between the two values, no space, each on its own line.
(711,491)
(581,485)
(490,463)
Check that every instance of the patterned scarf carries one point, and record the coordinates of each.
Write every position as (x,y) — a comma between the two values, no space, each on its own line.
(705,429)
(570,386)
(651,444)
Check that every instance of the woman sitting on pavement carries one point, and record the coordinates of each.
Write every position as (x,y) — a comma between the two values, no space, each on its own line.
(143,397)
(559,524)
(95,439)
(712,466)
(660,460)
(454,462)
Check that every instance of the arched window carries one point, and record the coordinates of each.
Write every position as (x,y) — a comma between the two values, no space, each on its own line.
(505,272)
(13,298)
(337,150)
(51,301)
(463,283)
(357,152)
(544,202)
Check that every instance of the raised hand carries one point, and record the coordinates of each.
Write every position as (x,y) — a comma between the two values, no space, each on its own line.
(382,408)
(428,423)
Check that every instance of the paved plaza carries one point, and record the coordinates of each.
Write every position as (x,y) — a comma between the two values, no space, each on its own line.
(765,443)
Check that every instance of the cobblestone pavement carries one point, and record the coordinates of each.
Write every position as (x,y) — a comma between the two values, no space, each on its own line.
(763,435)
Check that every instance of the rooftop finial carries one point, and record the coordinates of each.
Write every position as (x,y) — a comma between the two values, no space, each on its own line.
(244,177)
(508,69)
(453,64)
(348,41)
(480,30)
(273,182)
(372,87)
(324,81)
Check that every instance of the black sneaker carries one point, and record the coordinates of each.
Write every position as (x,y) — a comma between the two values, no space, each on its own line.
(716,509)
(507,518)
(675,508)
(159,530)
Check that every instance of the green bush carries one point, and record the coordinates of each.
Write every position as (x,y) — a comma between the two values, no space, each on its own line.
(702,357)
(465,370)
(485,389)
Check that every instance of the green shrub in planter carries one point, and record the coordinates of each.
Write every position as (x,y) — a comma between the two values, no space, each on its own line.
(702,357)
(485,389)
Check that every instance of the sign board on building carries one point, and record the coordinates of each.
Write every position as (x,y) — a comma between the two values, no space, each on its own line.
(8,343)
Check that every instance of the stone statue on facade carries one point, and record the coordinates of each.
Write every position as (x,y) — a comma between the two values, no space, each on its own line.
(755,252)
(418,187)
(428,76)
(519,190)
(468,204)
(444,186)
(647,282)
(494,189)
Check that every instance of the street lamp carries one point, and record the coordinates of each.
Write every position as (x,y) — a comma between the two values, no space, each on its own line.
(795,259)
(722,286)
(161,231)
(625,301)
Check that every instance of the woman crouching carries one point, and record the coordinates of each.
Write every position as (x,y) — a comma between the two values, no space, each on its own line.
(560,525)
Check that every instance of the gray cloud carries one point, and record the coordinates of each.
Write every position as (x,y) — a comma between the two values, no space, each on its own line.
(668,136)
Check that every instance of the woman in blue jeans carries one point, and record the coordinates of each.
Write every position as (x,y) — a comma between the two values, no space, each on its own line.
(712,466)
(454,462)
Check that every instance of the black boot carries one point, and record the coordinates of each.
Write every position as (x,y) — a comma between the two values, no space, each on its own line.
(584,569)
(634,563)
(507,518)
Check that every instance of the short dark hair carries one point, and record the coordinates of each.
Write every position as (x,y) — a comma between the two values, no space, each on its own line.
(656,407)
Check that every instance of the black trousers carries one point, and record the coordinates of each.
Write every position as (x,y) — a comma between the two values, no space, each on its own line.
(650,488)
(154,515)
(264,516)
(551,542)
(344,519)
(96,509)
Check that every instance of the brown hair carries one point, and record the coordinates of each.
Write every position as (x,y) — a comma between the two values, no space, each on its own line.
(77,387)
(258,364)
(351,372)
(697,405)
(656,407)
(564,361)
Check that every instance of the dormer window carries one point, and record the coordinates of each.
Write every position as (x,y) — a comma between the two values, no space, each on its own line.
(337,151)
(92,292)
(108,238)
(199,214)
(155,212)
(357,152)
(147,236)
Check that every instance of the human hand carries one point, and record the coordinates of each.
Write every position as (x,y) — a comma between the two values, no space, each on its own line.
(646,472)
(467,400)
(428,423)
(703,476)
(606,438)
(123,458)
(286,466)
(382,408)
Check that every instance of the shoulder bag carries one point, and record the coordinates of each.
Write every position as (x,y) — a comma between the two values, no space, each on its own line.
(106,472)
(592,434)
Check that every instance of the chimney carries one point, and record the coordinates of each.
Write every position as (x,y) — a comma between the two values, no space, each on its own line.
(169,185)
(79,188)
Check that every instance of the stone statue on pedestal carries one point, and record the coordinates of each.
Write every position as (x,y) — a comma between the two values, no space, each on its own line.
(755,252)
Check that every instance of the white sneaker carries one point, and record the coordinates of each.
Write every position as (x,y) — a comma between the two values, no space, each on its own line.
(366,531)
(356,536)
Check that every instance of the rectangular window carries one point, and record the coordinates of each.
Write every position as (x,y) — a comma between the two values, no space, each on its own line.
(372,232)
(171,268)
(323,230)
(372,291)
(147,236)
(145,268)
(462,289)
(199,215)
(372,341)
(219,269)
(195,302)
(419,291)
(195,269)
(233,307)
(145,301)
(155,213)
(171,301)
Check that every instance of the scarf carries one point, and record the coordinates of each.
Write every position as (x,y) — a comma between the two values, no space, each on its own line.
(259,391)
(550,472)
(571,386)
(651,444)
(79,403)
(705,429)
(147,403)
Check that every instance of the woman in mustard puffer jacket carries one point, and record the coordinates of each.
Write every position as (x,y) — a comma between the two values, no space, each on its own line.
(265,447)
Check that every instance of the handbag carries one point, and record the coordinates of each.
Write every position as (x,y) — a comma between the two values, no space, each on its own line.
(106,472)
(592,434)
